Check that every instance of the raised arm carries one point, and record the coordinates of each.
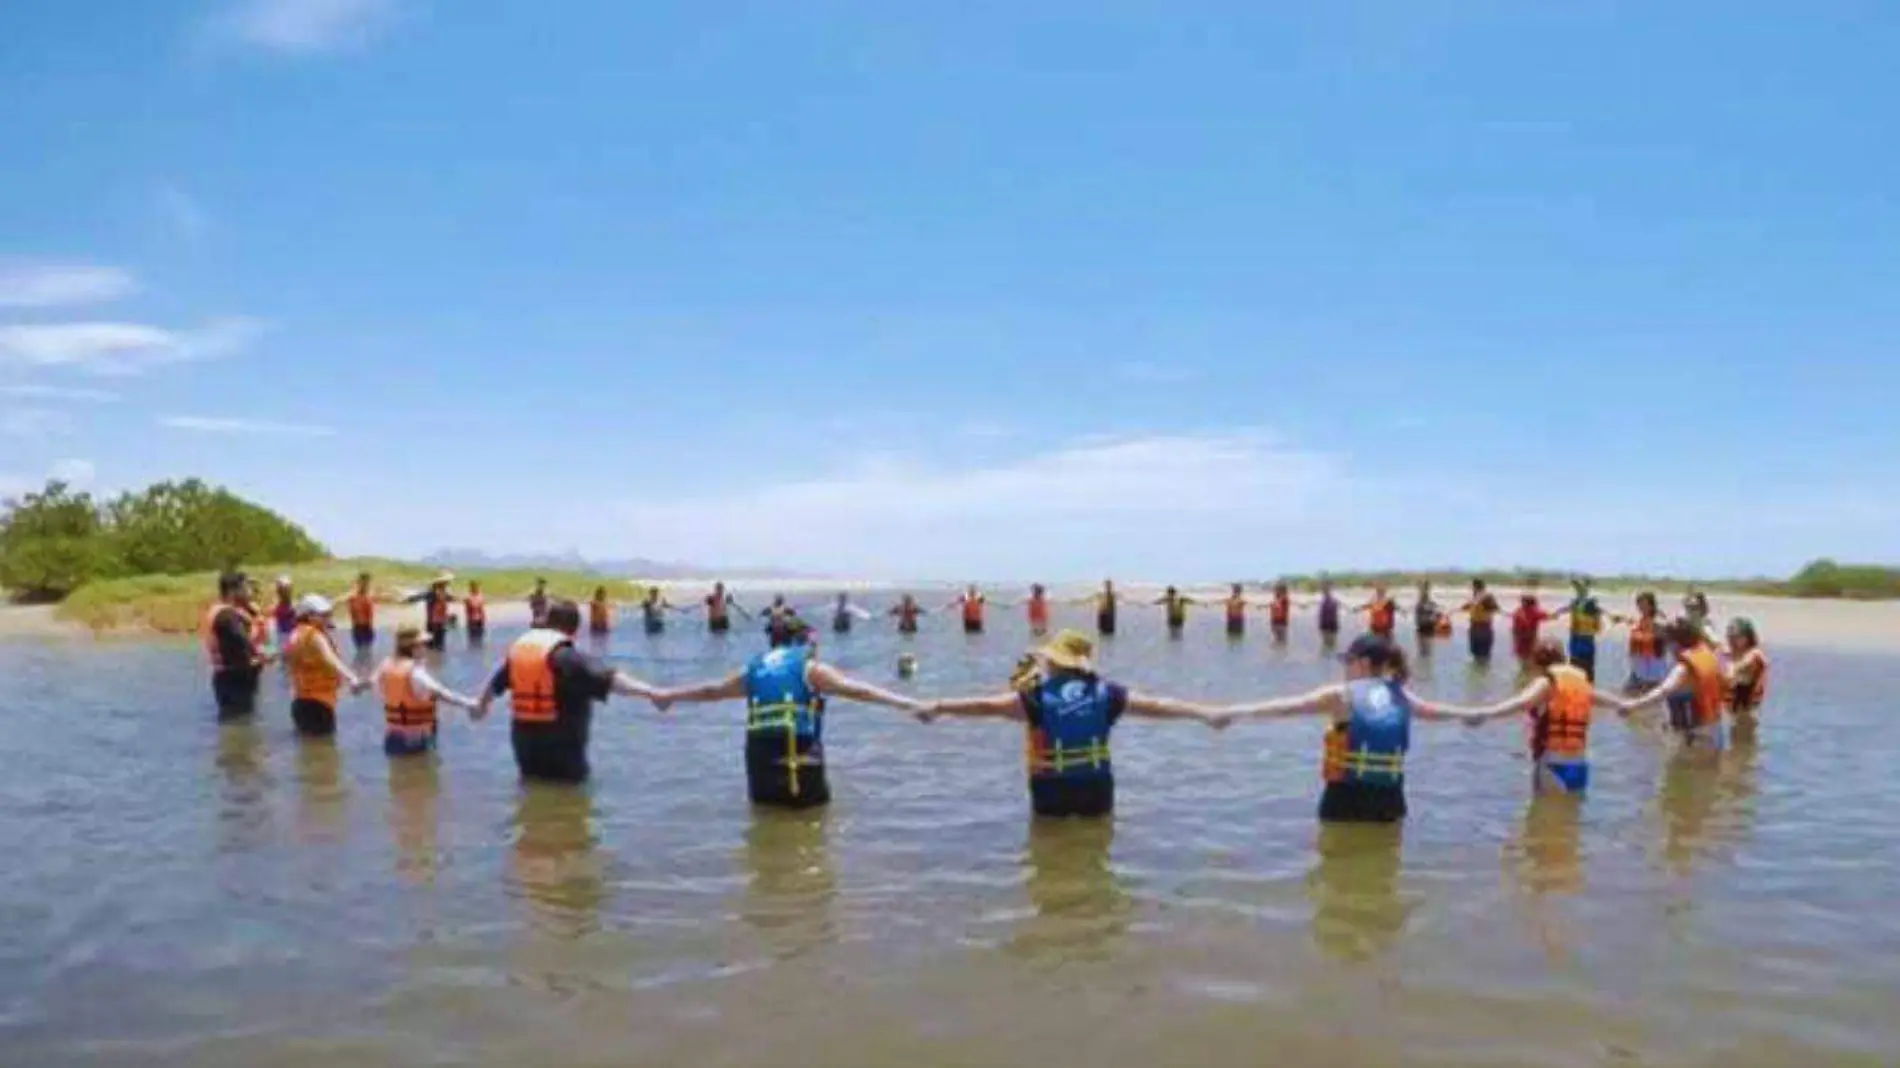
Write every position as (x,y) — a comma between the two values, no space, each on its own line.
(830,681)
(1325,699)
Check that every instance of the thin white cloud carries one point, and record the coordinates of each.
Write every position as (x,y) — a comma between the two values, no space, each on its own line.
(65,393)
(34,424)
(308,27)
(1145,373)
(984,430)
(184,214)
(206,424)
(110,348)
(75,473)
(28,284)
(895,516)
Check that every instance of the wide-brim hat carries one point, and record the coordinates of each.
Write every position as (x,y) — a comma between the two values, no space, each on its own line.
(1070,650)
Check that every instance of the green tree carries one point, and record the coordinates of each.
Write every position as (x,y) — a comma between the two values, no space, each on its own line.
(51,544)
(175,528)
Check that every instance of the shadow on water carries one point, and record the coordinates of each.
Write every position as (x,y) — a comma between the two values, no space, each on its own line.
(322,799)
(1078,905)
(415,787)
(792,887)
(555,866)
(1354,886)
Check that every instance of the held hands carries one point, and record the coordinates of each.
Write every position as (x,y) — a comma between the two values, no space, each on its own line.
(926,712)
(662,700)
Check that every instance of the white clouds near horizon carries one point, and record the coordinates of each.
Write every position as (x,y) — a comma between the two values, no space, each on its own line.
(32,284)
(206,424)
(120,348)
(36,391)
(307,27)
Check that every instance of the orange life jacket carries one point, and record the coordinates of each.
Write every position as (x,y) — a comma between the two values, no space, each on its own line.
(1281,611)
(973,610)
(598,616)
(402,709)
(1645,639)
(476,608)
(362,610)
(531,675)
(1383,617)
(1482,610)
(437,613)
(1038,613)
(1705,689)
(311,676)
(1562,731)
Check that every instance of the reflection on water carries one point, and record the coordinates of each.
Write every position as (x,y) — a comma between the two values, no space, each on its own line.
(415,786)
(1354,886)
(1545,860)
(789,893)
(1706,803)
(1078,904)
(555,866)
(244,792)
(321,795)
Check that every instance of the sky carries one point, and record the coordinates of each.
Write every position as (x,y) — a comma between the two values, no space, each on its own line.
(978,290)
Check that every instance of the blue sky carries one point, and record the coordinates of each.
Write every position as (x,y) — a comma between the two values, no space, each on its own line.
(1004,290)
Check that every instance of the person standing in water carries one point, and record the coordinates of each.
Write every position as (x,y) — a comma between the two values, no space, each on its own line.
(475,613)
(1697,677)
(284,612)
(970,603)
(435,611)
(719,607)
(1369,733)
(844,615)
(538,604)
(1560,700)
(1648,645)
(1328,614)
(1526,621)
(1586,622)
(1483,609)
(785,691)
(1106,603)
(1037,609)
(1174,605)
(1236,611)
(1748,678)
(600,614)
(1280,613)
(780,618)
(230,642)
(1382,612)
(1432,622)
(1068,712)
(317,671)
(362,606)
(653,609)
(552,688)
(906,611)
(410,697)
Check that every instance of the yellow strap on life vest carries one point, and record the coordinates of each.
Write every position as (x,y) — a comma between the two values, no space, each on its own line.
(1060,758)
(1365,761)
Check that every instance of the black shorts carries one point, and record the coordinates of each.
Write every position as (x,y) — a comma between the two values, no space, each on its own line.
(438,637)
(1086,797)
(399,744)
(972,626)
(1105,624)
(235,692)
(1354,802)
(477,631)
(362,636)
(1482,638)
(314,719)
(770,782)
(1236,628)
(719,626)
(559,760)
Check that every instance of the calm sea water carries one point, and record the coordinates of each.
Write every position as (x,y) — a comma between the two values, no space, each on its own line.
(176,893)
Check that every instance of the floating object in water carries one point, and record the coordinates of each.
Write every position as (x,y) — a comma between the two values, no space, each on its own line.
(906,665)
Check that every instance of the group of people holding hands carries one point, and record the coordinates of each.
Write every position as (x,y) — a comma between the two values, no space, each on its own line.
(1067,709)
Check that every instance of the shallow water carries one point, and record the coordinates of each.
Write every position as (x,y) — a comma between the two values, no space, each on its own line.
(180,893)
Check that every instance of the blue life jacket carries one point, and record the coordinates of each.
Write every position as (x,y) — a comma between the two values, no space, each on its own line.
(1072,741)
(1370,746)
(777,697)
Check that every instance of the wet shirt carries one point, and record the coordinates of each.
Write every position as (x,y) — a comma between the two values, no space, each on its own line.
(579,681)
(232,631)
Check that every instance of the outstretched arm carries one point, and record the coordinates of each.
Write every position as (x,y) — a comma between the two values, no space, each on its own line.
(726,689)
(630,686)
(830,681)
(1169,708)
(997,706)
(1677,678)
(430,684)
(1527,698)
(1324,699)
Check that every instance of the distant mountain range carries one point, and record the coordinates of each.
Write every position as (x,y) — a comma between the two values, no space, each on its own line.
(630,567)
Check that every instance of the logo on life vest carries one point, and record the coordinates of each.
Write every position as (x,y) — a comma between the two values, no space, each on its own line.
(1073,698)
